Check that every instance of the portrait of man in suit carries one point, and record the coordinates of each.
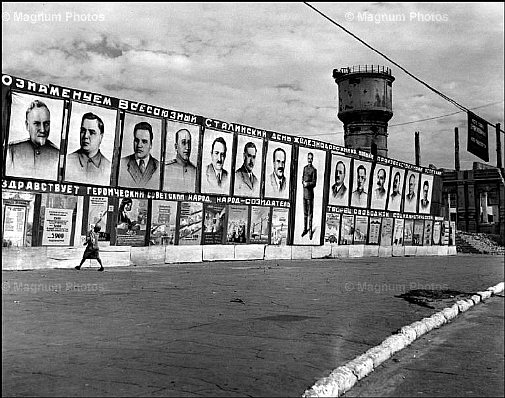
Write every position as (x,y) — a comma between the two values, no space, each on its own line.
(245,180)
(88,164)
(339,190)
(215,174)
(425,202)
(359,196)
(140,169)
(36,156)
(309,181)
(410,203)
(277,177)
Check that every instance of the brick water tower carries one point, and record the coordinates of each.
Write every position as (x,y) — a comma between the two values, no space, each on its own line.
(365,106)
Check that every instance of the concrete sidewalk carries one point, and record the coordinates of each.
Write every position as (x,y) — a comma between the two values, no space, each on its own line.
(465,358)
(214,329)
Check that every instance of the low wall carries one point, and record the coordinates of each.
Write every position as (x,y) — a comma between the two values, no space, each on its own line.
(26,258)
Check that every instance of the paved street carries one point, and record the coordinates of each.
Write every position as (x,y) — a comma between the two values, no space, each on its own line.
(213,329)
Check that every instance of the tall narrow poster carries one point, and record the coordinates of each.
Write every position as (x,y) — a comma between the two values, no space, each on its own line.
(360,230)
(386,231)
(213,223)
(332,228)
(280,224)
(398,232)
(347,230)
(163,222)
(238,224)
(417,237)
(260,224)
(408,228)
(374,230)
(132,222)
(428,231)
(436,232)
(190,224)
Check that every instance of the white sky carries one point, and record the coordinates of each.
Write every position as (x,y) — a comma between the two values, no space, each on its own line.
(269,65)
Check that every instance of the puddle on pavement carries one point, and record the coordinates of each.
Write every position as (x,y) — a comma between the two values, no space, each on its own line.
(430,298)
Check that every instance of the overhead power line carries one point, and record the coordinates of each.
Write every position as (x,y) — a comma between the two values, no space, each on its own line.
(455,103)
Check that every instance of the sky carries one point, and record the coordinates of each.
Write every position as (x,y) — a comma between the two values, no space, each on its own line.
(269,65)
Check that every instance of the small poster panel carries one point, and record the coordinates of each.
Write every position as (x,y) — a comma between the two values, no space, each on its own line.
(213,223)
(361,230)
(190,223)
(446,233)
(163,222)
(417,237)
(398,232)
(132,222)
(14,225)
(452,242)
(280,223)
(408,232)
(437,226)
(57,227)
(386,231)
(374,230)
(260,224)
(332,228)
(428,231)
(237,224)
(97,213)
(347,230)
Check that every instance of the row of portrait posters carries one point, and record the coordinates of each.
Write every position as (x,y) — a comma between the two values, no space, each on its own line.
(153,153)
(346,229)
(147,160)
(194,223)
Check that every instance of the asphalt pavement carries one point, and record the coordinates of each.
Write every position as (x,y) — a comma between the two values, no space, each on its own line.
(252,328)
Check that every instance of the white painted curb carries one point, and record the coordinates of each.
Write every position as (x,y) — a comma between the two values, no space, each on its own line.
(344,377)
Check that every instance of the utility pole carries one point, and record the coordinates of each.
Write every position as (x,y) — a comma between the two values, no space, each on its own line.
(498,147)
(417,149)
(456,149)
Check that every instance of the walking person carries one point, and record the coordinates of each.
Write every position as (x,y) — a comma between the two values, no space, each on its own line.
(92,249)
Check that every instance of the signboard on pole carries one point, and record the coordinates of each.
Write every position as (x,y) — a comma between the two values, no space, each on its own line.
(478,137)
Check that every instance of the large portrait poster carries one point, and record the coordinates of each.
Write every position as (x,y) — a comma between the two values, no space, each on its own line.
(213,223)
(131,222)
(361,179)
(396,189)
(14,225)
(332,228)
(280,223)
(163,222)
(57,227)
(437,229)
(90,144)
(139,166)
(426,191)
(398,232)
(411,192)
(408,232)
(190,224)
(428,230)
(33,149)
(236,231)
(216,162)
(379,189)
(339,180)
(260,224)
(97,212)
(417,237)
(374,230)
(309,196)
(277,170)
(248,166)
(347,229)
(386,231)
(360,230)
(181,157)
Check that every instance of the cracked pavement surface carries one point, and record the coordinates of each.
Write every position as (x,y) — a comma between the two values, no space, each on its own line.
(254,328)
